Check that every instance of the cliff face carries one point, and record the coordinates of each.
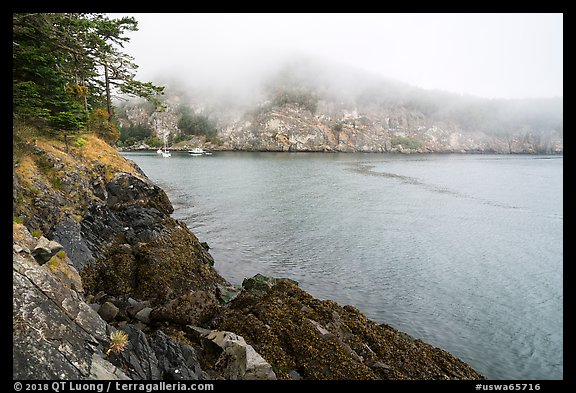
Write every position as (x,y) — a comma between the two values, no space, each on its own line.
(292,127)
(314,109)
(106,256)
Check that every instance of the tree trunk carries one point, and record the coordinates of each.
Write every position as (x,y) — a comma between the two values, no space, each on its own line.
(108,97)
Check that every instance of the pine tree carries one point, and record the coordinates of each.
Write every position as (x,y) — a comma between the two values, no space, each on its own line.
(66,66)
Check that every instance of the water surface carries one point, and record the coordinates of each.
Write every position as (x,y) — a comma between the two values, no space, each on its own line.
(462,251)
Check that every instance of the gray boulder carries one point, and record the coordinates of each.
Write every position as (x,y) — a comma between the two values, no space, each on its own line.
(227,293)
(238,359)
(45,249)
(108,311)
(144,315)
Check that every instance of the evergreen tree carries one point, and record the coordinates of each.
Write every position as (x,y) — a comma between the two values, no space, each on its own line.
(67,65)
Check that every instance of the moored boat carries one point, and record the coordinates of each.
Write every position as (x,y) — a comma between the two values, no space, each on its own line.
(198,151)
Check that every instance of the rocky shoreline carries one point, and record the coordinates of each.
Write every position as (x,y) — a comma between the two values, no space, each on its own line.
(96,253)
(147,149)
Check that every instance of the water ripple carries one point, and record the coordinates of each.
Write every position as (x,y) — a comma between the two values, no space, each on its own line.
(368,170)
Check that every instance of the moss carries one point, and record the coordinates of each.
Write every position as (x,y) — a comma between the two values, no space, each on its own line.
(54,263)
(279,326)
(37,233)
(61,254)
(59,266)
(17,220)
(172,265)
(162,269)
(115,275)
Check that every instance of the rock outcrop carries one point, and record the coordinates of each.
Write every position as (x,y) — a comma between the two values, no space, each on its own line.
(292,127)
(56,335)
(313,339)
(157,356)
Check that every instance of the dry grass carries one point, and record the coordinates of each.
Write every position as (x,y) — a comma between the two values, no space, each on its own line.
(45,169)
(27,170)
(94,152)
(99,152)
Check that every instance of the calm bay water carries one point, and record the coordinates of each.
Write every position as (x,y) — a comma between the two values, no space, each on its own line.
(462,251)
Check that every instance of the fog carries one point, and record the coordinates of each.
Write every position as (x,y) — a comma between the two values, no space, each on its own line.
(485,55)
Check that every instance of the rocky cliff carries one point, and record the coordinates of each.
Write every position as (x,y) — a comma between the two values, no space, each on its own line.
(293,127)
(108,286)
(314,108)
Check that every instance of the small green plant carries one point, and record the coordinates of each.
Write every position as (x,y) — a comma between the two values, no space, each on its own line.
(406,142)
(57,184)
(44,164)
(17,220)
(61,254)
(79,141)
(118,342)
(54,263)
(37,233)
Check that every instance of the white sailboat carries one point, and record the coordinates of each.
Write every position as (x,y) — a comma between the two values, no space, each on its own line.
(165,153)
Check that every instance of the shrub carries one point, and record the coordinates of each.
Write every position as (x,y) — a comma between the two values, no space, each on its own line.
(406,142)
(37,233)
(79,142)
(302,97)
(99,122)
(17,220)
(154,141)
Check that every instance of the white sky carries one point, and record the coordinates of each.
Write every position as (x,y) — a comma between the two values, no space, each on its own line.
(487,55)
